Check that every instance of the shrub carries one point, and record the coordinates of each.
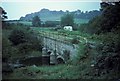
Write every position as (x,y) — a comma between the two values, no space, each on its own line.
(75,40)
(27,47)
(83,27)
(35,42)
(66,54)
(5,47)
(108,55)
(7,50)
(25,40)
(17,36)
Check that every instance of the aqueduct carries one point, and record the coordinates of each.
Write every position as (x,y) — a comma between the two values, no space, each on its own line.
(58,51)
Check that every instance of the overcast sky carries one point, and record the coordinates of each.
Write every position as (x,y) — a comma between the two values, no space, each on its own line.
(17,9)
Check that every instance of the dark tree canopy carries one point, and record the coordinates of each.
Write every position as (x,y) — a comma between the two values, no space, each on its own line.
(108,21)
(3,13)
(67,20)
(110,16)
(17,36)
(36,21)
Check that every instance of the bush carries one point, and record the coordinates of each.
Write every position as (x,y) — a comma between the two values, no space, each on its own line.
(5,47)
(75,40)
(108,57)
(17,36)
(24,48)
(25,40)
(7,50)
(36,21)
(27,47)
(35,42)
(66,54)
(83,27)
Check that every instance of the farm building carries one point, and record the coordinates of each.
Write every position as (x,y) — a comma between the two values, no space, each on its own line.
(68,28)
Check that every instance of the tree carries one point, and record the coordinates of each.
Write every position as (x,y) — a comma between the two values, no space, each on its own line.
(108,21)
(110,16)
(25,40)
(3,16)
(36,21)
(3,13)
(17,36)
(67,20)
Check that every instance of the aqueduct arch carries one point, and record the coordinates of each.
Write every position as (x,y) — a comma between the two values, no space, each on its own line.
(60,60)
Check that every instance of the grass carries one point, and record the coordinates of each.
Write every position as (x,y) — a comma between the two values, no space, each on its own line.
(6,33)
(28,23)
(68,36)
(81,21)
(45,72)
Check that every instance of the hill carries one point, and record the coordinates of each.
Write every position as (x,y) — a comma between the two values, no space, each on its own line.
(48,15)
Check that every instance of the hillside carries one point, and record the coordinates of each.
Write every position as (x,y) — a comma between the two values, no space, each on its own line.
(48,15)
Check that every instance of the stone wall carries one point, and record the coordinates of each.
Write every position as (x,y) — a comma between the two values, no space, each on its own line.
(60,47)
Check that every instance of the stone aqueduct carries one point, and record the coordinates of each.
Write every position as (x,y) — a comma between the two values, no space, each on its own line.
(56,51)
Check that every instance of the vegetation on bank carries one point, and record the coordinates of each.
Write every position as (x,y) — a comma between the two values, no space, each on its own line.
(19,41)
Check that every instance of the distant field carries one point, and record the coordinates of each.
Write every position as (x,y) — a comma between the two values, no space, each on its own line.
(21,22)
(81,21)
(28,23)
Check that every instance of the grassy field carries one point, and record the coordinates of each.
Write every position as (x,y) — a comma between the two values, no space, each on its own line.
(28,23)
(81,21)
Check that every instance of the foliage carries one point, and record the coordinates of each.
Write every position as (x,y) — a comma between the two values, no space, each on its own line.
(18,36)
(66,54)
(67,20)
(84,52)
(7,50)
(93,26)
(3,15)
(36,21)
(51,23)
(35,53)
(75,40)
(83,27)
(24,48)
(5,47)
(108,21)
(25,40)
(110,15)
(107,61)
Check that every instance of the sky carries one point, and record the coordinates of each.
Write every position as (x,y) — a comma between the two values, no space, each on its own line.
(15,9)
